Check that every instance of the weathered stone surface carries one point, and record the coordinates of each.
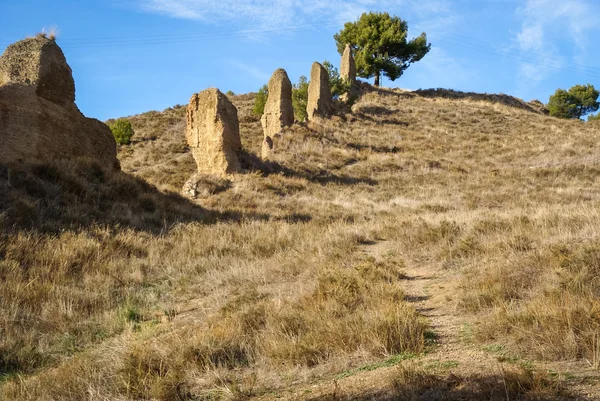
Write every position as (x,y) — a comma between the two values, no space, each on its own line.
(279,112)
(319,102)
(213,133)
(348,66)
(41,63)
(348,73)
(38,117)
(267,147)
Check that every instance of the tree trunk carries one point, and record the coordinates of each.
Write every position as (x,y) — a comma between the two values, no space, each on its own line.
(377,75)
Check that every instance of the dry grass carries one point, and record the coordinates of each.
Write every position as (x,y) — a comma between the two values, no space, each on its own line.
(50,33)
(412,383)
(116,290)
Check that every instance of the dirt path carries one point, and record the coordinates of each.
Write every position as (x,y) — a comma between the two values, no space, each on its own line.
(452,352)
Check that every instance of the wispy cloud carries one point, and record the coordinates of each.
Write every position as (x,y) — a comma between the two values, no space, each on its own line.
(270,14)
(547,22)
(250,70)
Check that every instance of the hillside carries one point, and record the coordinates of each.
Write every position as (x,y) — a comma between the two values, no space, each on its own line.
(428,245)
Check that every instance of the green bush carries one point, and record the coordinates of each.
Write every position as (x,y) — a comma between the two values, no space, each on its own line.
(122,131)
(261,100)
(594,117)
(338,85)
(300,98)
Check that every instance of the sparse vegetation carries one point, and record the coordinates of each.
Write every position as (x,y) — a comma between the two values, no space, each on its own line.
(48,33)
(303,270)
(122,131)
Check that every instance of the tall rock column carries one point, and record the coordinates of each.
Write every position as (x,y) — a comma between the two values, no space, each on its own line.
(279,112)
(213,133)
(348,73)
(319,102)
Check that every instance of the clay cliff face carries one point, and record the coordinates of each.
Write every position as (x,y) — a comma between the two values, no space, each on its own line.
(38,116)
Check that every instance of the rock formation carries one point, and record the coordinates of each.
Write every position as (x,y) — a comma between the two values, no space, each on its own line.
(348,67)
(279,112)
(213,133)
(348,73)
(38,116)
(267,147)
(319,102)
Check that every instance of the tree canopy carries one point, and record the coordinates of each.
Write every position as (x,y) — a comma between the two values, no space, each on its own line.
(380,45)
(300,98)
(260,100)
(578,101)
(122,131)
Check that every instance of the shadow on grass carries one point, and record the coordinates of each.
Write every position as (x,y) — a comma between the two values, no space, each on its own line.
(380,121)
(321,134)
(409,384)
(252,162)
(58,196)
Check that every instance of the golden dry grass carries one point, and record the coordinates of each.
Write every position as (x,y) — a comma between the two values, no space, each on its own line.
(109,291)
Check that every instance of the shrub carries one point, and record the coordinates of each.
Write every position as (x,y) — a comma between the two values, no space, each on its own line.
(338,85)
(230,93)
(300,98)
(260,100)
(122,131)
(590,118)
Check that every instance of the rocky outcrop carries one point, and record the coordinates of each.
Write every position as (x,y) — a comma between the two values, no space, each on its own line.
(319,102)
(39,62)
(279,112)
(348,66)
(348,73)
(213,133)
(267,146)
(38,116)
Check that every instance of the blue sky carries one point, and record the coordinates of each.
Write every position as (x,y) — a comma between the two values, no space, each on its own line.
(132,56)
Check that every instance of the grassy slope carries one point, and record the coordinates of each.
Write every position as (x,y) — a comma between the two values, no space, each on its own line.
(270,283)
